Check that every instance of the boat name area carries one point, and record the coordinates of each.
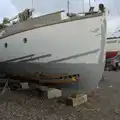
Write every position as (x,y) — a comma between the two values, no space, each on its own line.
(113,41)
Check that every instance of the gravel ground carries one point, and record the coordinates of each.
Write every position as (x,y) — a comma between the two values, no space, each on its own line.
(29,105)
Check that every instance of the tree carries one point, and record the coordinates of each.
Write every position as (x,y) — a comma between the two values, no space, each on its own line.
(1,26)
(6,20)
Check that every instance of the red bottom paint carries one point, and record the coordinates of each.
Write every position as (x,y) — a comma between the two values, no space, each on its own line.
(111,54)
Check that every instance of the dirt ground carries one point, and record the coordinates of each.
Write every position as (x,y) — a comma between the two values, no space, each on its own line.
(28,105)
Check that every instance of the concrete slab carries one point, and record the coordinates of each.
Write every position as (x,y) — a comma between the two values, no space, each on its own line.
(24,85)
(52,93)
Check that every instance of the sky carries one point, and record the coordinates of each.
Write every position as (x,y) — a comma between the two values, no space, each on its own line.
(9,8)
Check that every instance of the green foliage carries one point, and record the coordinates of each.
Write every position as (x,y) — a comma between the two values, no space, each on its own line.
(6,20)
(1,26)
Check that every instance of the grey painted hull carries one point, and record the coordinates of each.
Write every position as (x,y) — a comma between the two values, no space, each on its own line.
(89,73)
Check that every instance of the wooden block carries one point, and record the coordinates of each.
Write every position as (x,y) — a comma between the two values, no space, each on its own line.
(80,99)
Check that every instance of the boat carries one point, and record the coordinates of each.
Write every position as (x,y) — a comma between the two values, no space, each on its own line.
(112,47)
(112,53)
(54,46)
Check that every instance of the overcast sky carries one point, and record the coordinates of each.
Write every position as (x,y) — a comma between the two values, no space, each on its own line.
(10,8)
